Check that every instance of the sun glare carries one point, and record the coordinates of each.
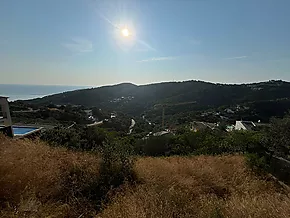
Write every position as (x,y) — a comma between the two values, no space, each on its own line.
(125,32)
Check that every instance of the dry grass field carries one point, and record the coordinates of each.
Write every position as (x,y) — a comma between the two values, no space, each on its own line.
(201,186)
(40,181)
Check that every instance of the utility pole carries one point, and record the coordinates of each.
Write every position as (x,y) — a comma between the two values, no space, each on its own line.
(163,115)
(169,105)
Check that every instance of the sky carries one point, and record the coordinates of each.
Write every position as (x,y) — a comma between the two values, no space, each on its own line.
(80,42)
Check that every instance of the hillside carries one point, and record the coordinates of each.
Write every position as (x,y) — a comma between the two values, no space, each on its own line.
(42,181)
(136,100)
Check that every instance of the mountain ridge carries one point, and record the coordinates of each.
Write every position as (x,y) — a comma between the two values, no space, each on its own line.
(135,99)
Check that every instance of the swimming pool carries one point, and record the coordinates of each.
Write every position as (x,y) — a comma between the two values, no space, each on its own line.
(23,130)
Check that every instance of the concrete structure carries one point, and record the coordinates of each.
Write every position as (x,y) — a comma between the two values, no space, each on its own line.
(244,125)
(5,117)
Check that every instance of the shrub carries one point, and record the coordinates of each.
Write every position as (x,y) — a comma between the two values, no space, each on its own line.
(202,142)
(156,146)
(258,163)
(116,169)
(244,141)
(79,138)
(116,166)
(278,136)
(68,138)
(177,147)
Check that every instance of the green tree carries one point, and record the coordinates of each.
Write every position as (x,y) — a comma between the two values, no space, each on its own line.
(278,136)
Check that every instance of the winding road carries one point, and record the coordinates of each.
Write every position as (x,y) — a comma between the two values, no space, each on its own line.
(133,122)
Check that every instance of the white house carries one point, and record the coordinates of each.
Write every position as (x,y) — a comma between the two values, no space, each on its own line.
(161,133)
(89,112)
(244,125)
(113,115)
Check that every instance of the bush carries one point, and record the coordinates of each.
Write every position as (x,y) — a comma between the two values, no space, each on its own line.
(260,164)
(116,165)
(79,138)
(68,138)
(244,141)
(202,142)
(116,169)
(278,137)
(156,146)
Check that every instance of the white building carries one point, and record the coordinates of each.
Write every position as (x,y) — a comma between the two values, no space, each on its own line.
(161,133)
(89,112)
(113,115)
(244,125)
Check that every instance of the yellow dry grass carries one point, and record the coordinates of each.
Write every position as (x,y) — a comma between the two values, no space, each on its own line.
(32,176)
(202,186)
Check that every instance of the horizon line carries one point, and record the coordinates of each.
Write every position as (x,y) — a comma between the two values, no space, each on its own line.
(151,83)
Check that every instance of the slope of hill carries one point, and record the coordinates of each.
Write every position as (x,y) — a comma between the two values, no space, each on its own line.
(135,100)
(42,181)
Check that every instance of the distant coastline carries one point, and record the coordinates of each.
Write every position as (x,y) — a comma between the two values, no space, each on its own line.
(25,92)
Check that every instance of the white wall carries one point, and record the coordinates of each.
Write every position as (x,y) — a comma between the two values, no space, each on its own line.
(5,112)
(239,126)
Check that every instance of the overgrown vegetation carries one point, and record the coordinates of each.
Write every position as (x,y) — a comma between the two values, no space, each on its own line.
(78,138)
(259,145)
(115,170)
(37,180)
(182,143)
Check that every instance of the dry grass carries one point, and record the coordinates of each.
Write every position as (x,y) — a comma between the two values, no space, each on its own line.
(34,176)
(199,187)
(35,182)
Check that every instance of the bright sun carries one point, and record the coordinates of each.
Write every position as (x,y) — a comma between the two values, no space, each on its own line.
(125,32)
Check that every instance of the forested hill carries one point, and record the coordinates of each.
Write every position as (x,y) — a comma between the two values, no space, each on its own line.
(135,99)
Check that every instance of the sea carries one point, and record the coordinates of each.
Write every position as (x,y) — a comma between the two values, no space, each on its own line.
(25,92)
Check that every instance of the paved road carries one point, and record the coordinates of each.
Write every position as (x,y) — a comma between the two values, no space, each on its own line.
(133,122)
(95,123)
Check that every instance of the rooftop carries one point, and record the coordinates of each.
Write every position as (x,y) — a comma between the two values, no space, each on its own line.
(161,133)
(202,125)
(248,124)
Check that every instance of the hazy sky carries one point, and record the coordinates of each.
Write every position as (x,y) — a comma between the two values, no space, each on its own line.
(79,42)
